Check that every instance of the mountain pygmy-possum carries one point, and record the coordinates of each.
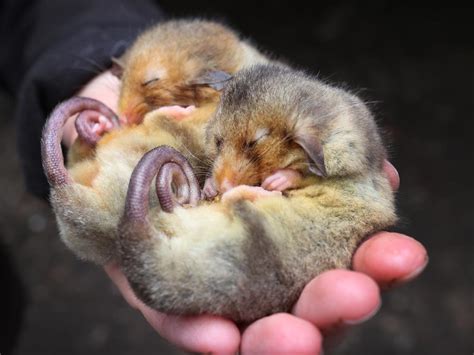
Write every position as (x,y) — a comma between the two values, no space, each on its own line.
(299,163)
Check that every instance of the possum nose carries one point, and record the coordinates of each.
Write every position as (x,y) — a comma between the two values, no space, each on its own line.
(133,111)
(132,116)
(226,185)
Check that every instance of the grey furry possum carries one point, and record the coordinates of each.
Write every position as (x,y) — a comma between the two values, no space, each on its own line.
(180,62)
(252,253)
(275,126)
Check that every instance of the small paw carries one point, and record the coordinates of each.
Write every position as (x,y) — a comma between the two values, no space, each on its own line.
(209,190)
(102,126)
(177,112)
(246,192)
(91,126)
(282,180)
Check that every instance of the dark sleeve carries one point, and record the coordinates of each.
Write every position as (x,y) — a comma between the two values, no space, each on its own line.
(50,48)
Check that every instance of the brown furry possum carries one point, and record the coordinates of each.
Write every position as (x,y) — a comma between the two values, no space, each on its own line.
(88,198)
(247,257)
(180,62)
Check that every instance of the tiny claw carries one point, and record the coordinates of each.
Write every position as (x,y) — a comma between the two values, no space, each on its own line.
(92,125)
(282,179)
(246,192)
(209,190)
(177,112)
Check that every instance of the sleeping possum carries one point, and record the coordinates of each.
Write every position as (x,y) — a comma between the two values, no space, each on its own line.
(251,254)
(180,62)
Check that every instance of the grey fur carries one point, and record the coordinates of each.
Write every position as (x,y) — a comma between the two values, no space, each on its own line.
(341,121)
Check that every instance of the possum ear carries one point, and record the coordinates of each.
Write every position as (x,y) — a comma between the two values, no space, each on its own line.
(117,67)
(313,148)
(216,79)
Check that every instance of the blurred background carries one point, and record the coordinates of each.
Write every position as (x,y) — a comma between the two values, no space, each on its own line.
(414,66)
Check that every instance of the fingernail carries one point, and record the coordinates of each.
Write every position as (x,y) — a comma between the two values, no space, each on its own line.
(363,319)
(417,271)
(397,281)
(396,184)
(395,169)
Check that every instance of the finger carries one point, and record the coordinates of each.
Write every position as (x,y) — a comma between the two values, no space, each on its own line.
(338,297)
(392,174)
(104,87)
(390,258)
(119,279)
(281,334)
(202,334)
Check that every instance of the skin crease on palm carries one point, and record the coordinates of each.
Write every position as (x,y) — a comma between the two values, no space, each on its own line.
(335,299)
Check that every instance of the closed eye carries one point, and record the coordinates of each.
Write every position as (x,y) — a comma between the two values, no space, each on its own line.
(151,81)
(260,134)
(252,144)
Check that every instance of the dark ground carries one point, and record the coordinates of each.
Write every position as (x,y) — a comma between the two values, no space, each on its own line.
(417,64)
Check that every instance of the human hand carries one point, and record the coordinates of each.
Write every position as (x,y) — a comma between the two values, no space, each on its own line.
(331,300)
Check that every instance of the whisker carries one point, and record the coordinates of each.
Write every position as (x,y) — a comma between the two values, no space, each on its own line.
(277,145)
(91,62)
(191,153)
(88,70)
(342,110)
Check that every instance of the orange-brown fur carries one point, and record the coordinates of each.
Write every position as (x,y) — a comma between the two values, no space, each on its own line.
(241,163)
(179,53)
